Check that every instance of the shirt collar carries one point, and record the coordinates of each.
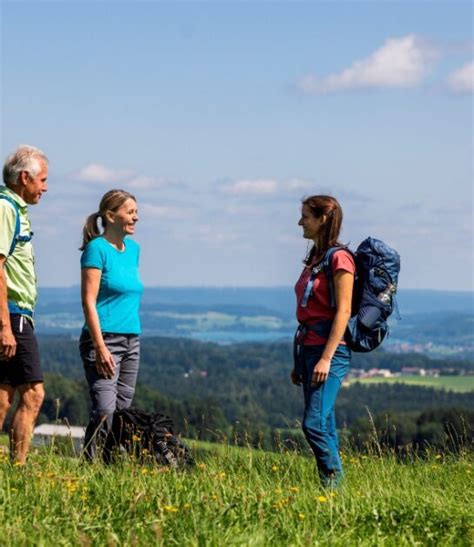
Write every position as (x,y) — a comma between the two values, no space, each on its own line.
(13,195)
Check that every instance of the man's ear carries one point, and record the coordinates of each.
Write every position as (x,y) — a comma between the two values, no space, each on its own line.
(23,178)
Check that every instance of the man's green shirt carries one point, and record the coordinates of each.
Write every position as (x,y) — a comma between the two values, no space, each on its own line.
(20,266)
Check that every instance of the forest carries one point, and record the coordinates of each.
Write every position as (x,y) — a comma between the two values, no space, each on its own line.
(242,393)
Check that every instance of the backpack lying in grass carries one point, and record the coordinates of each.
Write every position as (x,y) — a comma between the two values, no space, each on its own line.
(375,285)
(145,435)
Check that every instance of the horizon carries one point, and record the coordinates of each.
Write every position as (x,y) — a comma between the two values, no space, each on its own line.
(259,287)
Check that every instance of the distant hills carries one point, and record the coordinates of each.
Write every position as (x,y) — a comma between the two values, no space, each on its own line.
(436,323)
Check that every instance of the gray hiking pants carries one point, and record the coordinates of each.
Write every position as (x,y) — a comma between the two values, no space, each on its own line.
(108,394)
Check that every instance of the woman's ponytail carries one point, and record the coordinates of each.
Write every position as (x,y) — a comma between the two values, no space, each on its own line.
(90,230)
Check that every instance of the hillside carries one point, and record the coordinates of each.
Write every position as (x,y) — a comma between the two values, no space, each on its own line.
(213,391)
(435,323)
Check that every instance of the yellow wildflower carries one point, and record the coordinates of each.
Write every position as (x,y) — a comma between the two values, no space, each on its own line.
(438,456)
(294,489)
(144,471)
(322,499)
(275,468)
(301,516)
(170,508)
(135,438)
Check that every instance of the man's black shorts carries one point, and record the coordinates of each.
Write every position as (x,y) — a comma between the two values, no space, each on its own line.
(24,367)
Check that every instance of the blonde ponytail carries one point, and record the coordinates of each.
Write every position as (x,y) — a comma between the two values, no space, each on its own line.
(90,230)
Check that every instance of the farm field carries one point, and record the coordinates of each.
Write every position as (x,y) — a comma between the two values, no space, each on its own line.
(237,496)
(461,384)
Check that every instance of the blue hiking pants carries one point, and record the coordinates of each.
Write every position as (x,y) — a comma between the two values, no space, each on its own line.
(319,419)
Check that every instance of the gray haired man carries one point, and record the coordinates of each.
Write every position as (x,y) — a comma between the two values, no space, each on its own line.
(25,176)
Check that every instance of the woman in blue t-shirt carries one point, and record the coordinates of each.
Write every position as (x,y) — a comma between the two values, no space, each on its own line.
(110,290)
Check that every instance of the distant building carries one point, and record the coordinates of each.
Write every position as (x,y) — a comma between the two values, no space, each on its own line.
(44,434)
(413,371)
(379,373)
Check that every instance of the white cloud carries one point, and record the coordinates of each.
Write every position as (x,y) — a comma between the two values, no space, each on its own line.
(298,184)
(462,80)
(94,172)
(252,187)
(400,62)
(266,186)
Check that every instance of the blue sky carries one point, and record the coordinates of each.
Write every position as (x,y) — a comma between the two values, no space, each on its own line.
(221,116)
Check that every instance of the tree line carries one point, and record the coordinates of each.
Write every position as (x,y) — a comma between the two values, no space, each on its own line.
(242,393)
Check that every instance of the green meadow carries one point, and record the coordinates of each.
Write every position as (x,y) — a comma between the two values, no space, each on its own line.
(238,496)
(460,384)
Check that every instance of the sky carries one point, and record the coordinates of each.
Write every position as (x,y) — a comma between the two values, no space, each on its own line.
(221,116)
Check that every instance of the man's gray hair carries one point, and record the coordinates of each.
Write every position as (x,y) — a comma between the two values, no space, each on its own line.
(25,158)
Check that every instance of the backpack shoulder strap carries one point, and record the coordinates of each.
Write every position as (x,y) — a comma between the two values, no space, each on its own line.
(16,233)
(327,266)
(323,265)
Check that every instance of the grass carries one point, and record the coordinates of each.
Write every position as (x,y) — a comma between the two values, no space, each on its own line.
(237,497)
(460,384)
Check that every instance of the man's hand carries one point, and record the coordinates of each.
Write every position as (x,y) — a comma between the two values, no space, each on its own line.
(104,362)
(7,344)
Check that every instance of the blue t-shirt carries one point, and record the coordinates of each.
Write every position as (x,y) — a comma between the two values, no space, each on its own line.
(120,287)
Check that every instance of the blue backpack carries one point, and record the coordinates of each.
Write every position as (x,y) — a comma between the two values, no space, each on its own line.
(373,301)
(16,235)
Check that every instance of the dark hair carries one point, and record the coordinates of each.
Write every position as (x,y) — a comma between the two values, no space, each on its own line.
(111,201)
(328,235)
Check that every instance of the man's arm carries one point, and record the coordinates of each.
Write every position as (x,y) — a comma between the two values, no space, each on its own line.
(7,340)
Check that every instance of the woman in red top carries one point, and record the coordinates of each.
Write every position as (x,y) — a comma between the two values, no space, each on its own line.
(324,359)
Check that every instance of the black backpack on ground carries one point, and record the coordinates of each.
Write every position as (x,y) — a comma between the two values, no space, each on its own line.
(145,435)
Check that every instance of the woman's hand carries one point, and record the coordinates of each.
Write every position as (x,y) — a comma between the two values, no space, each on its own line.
(321,371)
(104,362)
(295,377)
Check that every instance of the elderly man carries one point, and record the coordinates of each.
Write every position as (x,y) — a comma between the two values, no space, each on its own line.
(25,173)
